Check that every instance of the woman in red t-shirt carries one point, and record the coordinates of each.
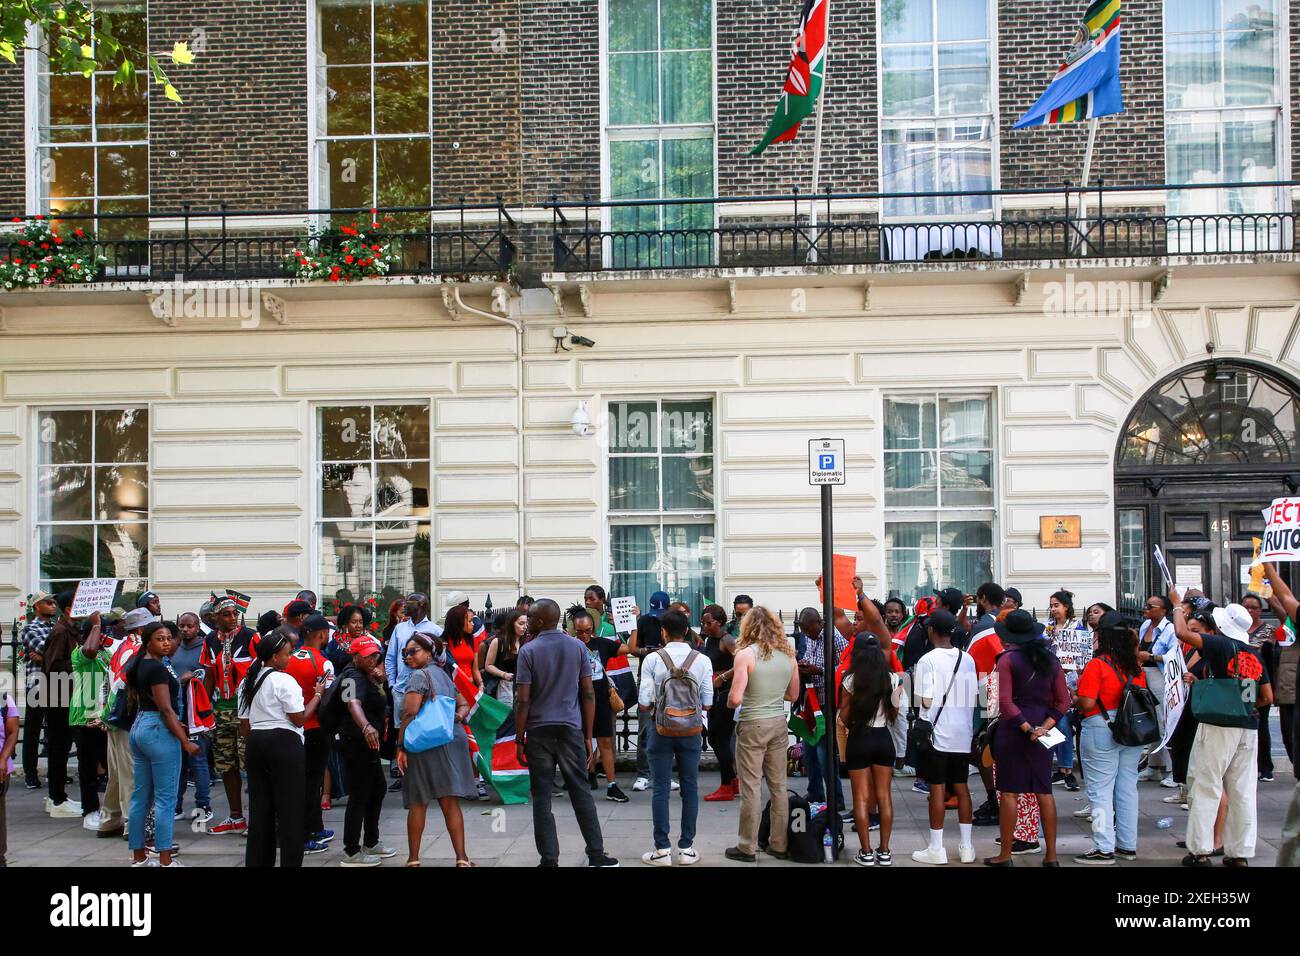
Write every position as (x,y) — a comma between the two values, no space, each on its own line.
(1110,770)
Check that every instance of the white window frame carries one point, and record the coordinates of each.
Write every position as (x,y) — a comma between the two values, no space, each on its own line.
(612,517)
(34,497)
(1281,109)
(317,473)
(36,200)
(316,110)
(936,121)
(939,513)
(656,131)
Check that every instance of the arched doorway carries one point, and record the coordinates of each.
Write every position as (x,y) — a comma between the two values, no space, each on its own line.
(1201,455)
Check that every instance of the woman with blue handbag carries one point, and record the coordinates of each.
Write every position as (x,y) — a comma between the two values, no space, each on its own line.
(432,749)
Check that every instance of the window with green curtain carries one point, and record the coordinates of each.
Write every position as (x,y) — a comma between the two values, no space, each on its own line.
(659,130)
(938,457)
(661,500)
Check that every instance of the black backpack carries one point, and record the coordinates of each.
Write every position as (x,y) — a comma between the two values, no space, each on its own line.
(804,832)
(1137,718)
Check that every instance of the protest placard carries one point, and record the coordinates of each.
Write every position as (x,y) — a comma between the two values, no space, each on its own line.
(1074,648)
(844,569)
(1175,696)
(94,594)
(1281,531)
(1164,568)
(624,614)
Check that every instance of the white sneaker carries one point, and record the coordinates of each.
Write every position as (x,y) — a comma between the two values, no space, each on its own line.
(381,851)
(938,857)
(966,854)
(146,862)
(687,856)
(359,859)
(68,809)
(1147,774)
(658,858)
(1168,782)
(676,785)
(906,771)
(641,783)
(1178,797)
(1084,813)
(92,820)
(172,865)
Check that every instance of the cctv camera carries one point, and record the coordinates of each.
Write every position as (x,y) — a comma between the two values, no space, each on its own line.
(581,340)
(580,420)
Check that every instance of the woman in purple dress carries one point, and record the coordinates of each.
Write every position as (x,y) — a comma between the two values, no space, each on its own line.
(1032,697)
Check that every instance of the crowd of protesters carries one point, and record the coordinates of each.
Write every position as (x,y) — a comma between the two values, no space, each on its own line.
(303,710)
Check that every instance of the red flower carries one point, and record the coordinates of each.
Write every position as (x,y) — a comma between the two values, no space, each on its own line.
(34,217)
(334,277)
(349,259)
(45,245)
(18,262)
(348,230)
(78,233)
(16,219)
(58,241)
(375,247)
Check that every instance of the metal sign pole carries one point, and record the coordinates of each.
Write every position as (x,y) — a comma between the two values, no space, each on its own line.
(828,670)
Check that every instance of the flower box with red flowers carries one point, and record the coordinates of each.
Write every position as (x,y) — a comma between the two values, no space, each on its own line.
(344,254)
(39,254)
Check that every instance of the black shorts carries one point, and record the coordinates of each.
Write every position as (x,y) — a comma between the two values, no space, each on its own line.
(603,723)
(944,769)
(874,748)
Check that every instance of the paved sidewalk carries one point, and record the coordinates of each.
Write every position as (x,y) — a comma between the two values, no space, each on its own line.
(503,836)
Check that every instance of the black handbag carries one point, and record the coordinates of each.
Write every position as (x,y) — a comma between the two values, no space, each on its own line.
(920,736)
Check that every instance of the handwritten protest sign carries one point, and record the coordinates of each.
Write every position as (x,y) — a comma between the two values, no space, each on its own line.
(1074,648)
(1175,697)
(624,615)
(1281,531)
(94,594)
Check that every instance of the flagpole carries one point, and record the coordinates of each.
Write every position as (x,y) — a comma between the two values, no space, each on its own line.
(1083,187)
(820,108)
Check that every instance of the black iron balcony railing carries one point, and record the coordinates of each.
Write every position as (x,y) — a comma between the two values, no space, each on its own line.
(260,244)
(1205,219)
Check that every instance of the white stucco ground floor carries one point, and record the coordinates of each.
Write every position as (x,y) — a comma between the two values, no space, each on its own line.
(1043,428)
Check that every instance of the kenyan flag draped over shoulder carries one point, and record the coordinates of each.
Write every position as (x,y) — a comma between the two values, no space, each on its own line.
(492,741)
(808,723)
(803,81)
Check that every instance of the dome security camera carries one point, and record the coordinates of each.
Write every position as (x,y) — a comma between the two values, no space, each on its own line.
(580,421)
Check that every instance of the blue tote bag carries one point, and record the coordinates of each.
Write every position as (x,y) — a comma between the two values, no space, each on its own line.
(434,726)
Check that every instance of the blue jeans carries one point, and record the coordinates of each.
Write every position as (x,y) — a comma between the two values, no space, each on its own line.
(816,758)
(198,765)
(1110,775)
(157,757)
(1065,749)
(662,751)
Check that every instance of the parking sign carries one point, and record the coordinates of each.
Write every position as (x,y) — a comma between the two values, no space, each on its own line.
(826,461)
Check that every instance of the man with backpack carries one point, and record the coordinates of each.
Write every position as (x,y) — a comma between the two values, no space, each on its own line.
(676,689)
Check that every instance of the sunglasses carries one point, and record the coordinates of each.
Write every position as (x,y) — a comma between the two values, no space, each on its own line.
(411,651)
(1155,607)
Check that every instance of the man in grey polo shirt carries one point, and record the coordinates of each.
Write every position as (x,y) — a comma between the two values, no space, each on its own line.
(555,707)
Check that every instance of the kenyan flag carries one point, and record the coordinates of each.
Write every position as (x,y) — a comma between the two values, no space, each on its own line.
(803,80)
(492,732)
(807,723)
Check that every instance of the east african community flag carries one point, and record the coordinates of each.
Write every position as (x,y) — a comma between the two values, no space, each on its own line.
(492,741)
(808,723)
(1087,84)
(803,81)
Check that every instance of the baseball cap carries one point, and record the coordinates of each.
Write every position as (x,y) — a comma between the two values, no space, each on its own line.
(315,622)
(658,603)
(145,598)
(365,645)
(950,597)
(453,598)
(943,622)
(137,618)
(40,596)
(1014,594)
